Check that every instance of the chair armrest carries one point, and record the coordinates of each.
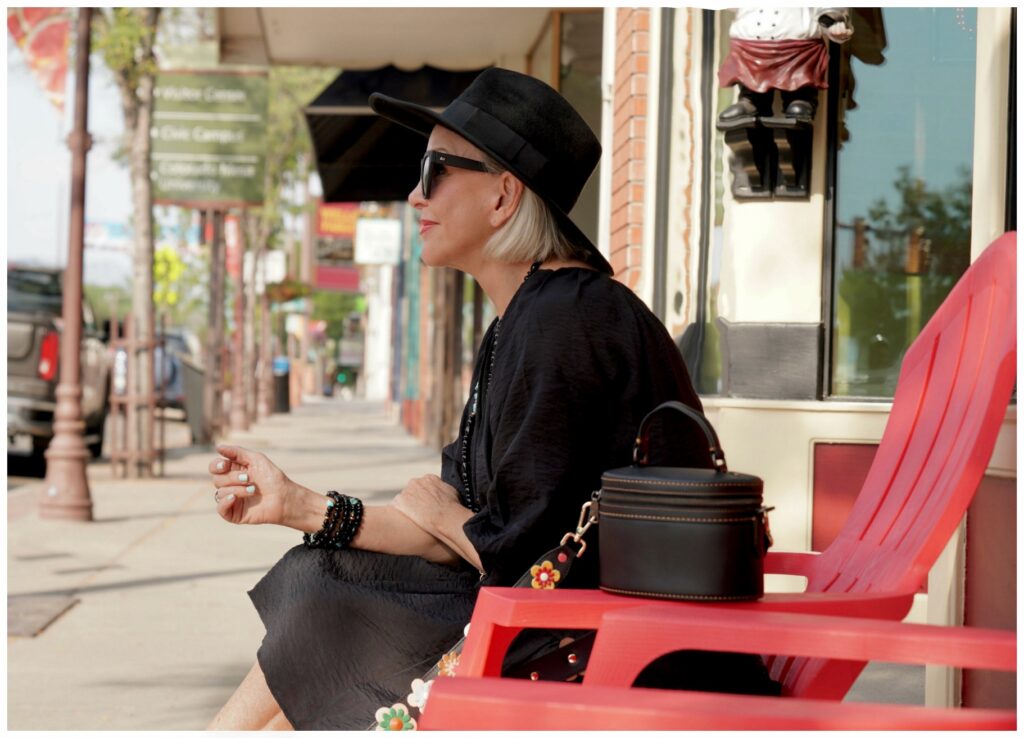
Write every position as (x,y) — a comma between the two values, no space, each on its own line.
(628,640)
(501,612)
(883,605)
(549,608)
(797,563)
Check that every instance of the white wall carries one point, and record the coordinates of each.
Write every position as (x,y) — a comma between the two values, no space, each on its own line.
(772,260)
(377,282)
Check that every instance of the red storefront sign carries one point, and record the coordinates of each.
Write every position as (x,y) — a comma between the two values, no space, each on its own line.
(337,219)
(337,279)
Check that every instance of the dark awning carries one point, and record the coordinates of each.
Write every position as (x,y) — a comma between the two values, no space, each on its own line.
(361,156)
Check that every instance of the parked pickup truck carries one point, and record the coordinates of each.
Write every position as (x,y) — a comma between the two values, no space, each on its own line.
(34,304)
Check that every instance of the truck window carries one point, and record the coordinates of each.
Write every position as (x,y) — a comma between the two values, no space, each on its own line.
(33,292)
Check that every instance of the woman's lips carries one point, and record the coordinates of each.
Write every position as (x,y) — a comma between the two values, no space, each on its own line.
(426,225)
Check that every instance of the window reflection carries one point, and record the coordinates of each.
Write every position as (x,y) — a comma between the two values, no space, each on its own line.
(903,191)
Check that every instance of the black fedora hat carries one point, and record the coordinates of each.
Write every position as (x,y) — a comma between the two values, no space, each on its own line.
(527,127)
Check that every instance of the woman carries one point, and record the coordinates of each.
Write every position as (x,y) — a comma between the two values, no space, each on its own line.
(562,379)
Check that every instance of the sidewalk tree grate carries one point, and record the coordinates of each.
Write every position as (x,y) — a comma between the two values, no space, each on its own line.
(30,615)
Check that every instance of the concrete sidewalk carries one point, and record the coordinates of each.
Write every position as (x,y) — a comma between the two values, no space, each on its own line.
(162,631)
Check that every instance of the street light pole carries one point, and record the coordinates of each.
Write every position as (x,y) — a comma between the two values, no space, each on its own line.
(66,492)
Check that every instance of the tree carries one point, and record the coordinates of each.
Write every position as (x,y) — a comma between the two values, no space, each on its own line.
(915,250)
(941,217)
(335,308)
(126,39)
(288,148)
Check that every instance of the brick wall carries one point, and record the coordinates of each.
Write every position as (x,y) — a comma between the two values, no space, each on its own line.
(629,104)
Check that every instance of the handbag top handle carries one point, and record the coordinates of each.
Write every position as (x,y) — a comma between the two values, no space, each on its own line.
(642,435)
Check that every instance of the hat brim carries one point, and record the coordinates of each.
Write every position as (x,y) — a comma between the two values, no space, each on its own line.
(422,119)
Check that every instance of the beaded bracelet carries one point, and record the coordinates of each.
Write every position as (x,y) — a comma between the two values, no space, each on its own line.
(353,517)
(316,539)
(341,523)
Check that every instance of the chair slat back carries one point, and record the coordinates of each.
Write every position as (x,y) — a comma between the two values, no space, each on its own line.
(954,385)
(950,399)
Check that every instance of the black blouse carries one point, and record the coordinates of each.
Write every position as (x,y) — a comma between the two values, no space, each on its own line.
(579,361)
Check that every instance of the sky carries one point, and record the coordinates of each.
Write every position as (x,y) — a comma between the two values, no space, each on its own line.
(39,171)
(916,109)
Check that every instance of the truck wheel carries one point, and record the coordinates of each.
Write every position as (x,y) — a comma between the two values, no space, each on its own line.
(39,446)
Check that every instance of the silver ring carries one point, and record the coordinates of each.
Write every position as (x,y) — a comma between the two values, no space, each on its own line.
(216,499)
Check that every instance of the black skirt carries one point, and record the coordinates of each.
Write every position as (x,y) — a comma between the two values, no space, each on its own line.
(348,631)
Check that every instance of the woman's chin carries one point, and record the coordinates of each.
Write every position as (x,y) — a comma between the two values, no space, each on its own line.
(432,256)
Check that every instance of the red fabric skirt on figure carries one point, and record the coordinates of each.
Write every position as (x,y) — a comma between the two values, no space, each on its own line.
(775,65)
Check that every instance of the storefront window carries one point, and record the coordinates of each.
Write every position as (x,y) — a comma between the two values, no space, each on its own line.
(708,375)
(580,82)
(902,187)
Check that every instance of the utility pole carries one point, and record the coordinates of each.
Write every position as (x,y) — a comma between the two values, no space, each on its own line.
(66,493)
(215,337)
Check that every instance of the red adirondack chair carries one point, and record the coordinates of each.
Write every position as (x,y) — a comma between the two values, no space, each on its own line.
(605,702)
(951,397)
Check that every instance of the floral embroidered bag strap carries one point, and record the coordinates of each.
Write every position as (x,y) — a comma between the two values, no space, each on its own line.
(550,571)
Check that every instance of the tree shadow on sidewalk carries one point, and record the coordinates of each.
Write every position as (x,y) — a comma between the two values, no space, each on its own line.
(144,516)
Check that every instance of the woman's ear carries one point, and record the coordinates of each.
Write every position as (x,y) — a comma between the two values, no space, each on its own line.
(510,194)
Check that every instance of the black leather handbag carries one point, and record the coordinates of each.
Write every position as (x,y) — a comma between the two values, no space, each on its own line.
(678,532)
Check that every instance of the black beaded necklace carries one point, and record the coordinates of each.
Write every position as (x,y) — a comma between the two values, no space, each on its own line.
(468,496)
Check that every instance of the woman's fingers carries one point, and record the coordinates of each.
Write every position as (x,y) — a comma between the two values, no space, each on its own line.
(243,478)
(237,454)
(222,493)
(221,466)
(230,507)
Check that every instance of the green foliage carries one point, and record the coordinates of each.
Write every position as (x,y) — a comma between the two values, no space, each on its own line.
(880,308)
(887,310)
(942,217)
(180,290)
(104,299)
(289,148)
(335,308)
(168,269)
(122,36)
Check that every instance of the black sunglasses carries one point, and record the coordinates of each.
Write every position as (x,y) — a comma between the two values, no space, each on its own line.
(434,162)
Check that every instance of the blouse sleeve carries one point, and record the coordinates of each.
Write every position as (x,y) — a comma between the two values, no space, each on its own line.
(546,442)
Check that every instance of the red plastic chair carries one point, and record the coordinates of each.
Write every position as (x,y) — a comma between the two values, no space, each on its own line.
(953,389)
(637,634)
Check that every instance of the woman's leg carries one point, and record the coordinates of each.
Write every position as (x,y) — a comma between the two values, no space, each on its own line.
(251,707)
(278,722)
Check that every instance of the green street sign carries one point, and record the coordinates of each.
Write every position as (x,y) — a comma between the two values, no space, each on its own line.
(209,139)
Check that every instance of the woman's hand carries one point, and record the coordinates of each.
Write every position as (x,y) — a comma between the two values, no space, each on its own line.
(251,490)
(434,506)
(427,501)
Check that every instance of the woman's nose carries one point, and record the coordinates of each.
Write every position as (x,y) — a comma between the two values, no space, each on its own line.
(416,198)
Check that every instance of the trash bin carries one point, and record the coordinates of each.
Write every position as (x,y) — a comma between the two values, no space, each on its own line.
(282,403)
(193,386)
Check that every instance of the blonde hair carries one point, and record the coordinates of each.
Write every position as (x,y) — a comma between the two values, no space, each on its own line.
(531,234)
